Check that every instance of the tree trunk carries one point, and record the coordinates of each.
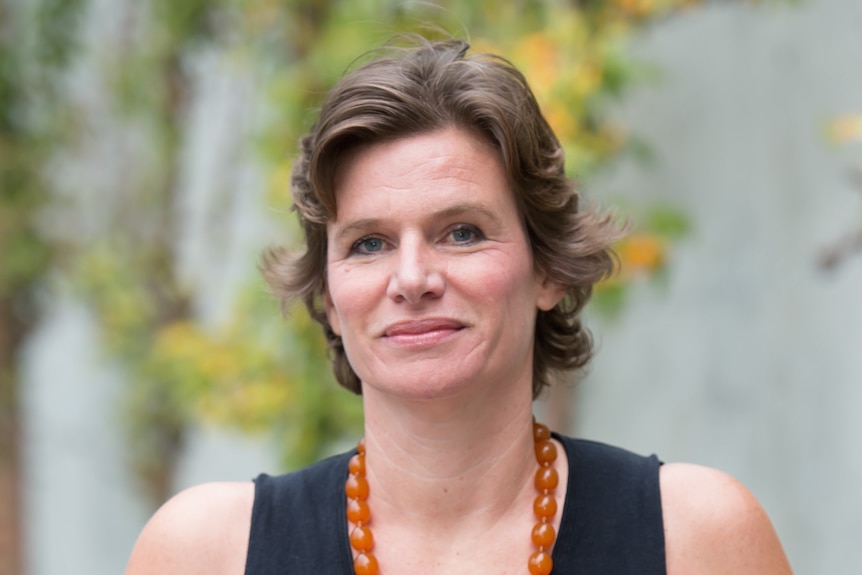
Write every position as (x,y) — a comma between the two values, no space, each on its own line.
(10,455)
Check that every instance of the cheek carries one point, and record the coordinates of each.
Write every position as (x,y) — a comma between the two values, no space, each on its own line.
(350,296)
(502,297)
(506,282)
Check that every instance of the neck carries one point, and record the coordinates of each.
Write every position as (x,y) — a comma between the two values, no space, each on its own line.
(449,463)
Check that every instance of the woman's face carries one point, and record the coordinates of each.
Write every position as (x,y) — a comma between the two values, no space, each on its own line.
(430,278)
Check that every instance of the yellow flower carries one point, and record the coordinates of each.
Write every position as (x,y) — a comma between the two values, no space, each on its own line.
(538,54)
(586,78)
(641,253)
(637,7)
(845,129)
(561,119)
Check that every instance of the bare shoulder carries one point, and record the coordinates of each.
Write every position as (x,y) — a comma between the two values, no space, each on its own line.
(714,525)
(202,530)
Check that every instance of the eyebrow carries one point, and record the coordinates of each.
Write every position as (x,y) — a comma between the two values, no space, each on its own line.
(446,213)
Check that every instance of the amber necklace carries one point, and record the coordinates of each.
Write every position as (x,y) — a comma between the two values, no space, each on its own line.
(545,507)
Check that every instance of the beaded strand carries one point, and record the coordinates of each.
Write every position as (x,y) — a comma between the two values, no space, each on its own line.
(545,507)
(359,514)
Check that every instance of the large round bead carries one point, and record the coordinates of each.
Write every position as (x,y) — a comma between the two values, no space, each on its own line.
(358,511)
(356,466)
(540,563)
(541,432)
(546,452)
(356,487)
(545,507)
(366,564)
(547,478)
(361,539)
(543,535)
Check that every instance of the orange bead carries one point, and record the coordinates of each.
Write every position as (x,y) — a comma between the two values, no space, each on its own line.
(356,487)
(547,479)
(541,432)
(546,452)
(545,507)
(358,511)
(543,535)
(366,564)
(357,465)
(540,563)
(361,539)
(360,447)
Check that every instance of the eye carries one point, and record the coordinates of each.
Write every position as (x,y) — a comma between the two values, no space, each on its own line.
(464,234)
(367,245)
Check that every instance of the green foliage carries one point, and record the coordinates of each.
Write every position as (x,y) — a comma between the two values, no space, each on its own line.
(56,26)
(25,139)
(21,190)
(666,221)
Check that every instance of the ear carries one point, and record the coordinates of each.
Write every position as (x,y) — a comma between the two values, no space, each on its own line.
(331,313)
(549,292)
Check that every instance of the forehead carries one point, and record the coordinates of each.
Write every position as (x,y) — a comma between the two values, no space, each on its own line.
(451,158)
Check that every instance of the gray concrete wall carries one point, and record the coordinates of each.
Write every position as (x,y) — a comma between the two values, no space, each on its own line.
(748,358)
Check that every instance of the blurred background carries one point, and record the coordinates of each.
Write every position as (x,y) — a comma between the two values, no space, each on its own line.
(145,151)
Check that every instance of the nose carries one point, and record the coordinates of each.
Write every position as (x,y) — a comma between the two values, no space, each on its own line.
(417,273)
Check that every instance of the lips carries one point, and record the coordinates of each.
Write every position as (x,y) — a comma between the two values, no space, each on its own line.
(423,331)
(418,327)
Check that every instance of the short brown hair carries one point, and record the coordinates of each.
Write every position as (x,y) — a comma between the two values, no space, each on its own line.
(423,88)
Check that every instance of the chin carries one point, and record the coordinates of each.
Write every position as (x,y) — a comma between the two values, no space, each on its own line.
(415,389)
(430,384)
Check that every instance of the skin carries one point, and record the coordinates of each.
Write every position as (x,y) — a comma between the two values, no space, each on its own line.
(430,276)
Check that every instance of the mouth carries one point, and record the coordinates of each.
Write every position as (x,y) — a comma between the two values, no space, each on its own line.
(423,332)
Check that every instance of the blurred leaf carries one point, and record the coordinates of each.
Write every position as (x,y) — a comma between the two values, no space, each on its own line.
(667,221)
(845,129)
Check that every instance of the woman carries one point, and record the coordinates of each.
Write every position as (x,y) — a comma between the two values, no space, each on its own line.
(447,260)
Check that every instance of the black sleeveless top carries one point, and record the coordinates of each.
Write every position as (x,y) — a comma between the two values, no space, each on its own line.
(611,522)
